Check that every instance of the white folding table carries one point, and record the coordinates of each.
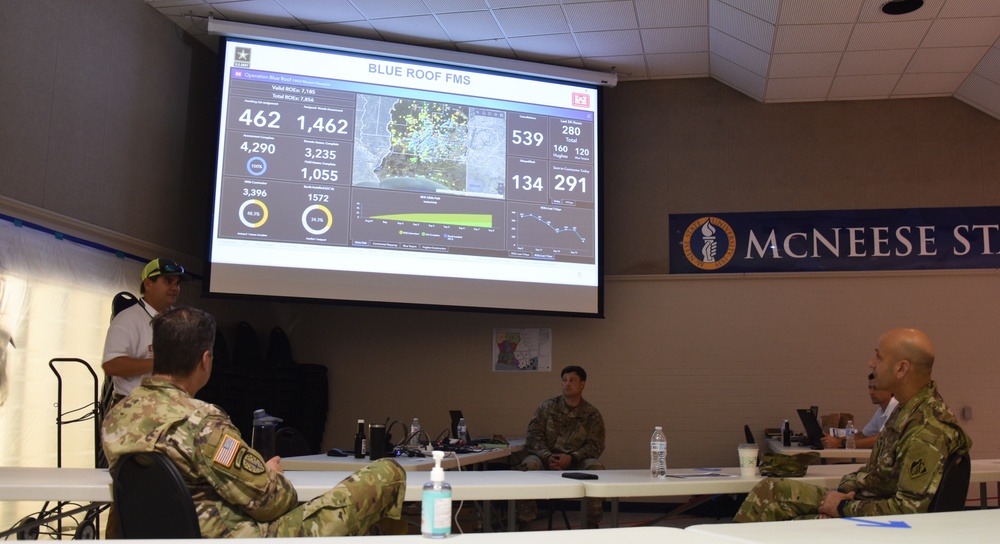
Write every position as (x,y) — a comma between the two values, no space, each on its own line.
(969,526)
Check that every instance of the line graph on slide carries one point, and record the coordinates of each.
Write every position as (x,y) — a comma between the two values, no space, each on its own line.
(556,230)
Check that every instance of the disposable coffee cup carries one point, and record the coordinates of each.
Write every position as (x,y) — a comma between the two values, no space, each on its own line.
(748,459)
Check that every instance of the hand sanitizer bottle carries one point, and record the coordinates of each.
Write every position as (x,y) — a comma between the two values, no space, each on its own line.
(435,510)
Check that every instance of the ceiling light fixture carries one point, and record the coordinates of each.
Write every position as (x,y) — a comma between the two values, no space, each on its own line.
(901,7)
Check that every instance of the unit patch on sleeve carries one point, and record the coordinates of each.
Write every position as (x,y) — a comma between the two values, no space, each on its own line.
(251,462)
(917,468)
(227,451)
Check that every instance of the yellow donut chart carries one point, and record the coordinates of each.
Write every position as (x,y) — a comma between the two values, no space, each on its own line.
(263,208)
(305,219)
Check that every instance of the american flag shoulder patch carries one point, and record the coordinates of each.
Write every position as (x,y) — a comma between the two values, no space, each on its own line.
(227,451)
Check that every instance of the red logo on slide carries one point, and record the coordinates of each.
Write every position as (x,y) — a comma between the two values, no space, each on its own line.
(581,100)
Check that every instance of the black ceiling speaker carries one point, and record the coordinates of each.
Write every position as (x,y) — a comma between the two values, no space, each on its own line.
(901,7)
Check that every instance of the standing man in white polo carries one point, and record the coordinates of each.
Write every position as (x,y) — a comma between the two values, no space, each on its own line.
(128,348)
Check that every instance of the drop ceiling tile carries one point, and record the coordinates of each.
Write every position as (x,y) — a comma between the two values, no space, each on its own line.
(970,8)
(628,66)
(980,93)
(667,65)
(738,52)
(799,12)
(380,9)
(741,25)
(928,84)
(170,3)
(890,61)
(863,87)
(989,67)
(737,77)
(354,29)
(542,48)
(798,89)
(260,12)
(500,4)
(901,35)
(533,21)
(470,26)
(309,12)
(494,48)
(947,59)
(653,39)
(201,10)
(963,32)
(871,12)
(811,38)
(419,30)
(448,6)
(618,15)
(609,43)
(675,40)
(671,13)
(804,65)
(766,10)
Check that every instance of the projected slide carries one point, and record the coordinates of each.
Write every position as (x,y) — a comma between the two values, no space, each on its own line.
(310,160)
(350,176)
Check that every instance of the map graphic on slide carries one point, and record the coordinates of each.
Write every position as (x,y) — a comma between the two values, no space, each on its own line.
(421,145)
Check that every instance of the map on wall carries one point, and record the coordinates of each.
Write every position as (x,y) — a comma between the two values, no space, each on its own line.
(522,350)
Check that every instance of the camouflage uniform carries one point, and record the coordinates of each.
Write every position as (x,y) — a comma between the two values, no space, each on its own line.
(235,493)
(901,475)
(557,428)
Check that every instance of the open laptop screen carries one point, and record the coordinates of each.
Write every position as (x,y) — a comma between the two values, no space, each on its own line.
(813,430)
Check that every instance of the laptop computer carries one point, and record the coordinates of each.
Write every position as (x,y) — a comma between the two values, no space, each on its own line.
(813,430)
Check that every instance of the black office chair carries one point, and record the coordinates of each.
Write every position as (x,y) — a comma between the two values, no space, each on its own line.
(152,499)
(553,505)
(954,486)
(288,442)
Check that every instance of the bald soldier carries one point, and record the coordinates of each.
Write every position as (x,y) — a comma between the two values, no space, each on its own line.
(905,466)
(236,493)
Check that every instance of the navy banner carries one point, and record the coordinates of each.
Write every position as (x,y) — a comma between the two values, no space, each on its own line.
(904,239)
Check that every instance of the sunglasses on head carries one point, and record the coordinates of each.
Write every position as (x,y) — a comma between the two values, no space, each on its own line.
(168,269)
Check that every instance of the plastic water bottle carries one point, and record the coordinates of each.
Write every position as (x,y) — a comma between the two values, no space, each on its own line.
(658,453)
(849,432)
(435,508)
(462,432)
(415,432)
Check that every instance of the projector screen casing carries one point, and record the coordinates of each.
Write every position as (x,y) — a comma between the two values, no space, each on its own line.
(406,194)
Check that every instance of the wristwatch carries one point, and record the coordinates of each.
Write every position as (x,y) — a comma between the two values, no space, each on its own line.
(840,507)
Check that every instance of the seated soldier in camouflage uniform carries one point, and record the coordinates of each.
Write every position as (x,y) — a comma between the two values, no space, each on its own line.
(904,470)
(236,493)
(566,433)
